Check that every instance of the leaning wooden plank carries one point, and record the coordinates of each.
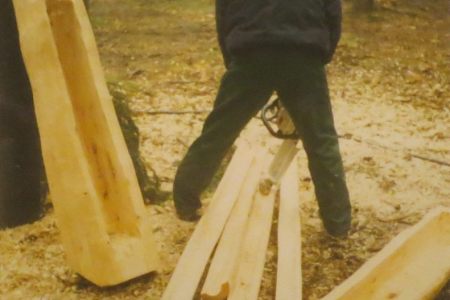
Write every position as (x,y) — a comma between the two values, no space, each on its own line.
(414,265)
(289,267)
(217,284)
(99,208)
(247,279)
(191,265)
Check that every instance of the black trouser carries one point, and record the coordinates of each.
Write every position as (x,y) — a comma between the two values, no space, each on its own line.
(20,155)
(299,79)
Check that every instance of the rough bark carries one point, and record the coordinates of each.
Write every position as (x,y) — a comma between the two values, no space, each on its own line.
(150,185)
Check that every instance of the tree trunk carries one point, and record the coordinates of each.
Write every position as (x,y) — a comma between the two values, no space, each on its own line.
(21,166)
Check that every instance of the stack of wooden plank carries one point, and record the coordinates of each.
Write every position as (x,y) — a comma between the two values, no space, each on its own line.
(100,212)
(237,226)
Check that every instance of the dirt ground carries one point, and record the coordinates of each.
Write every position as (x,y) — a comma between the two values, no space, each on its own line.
(391,97)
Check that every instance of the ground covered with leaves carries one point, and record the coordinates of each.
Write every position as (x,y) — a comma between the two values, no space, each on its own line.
(390,88)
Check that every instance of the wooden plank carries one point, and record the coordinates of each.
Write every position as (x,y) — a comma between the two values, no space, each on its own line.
(217,284)
(289,267)
(247,279)
(414,265)
(99,208)
(191,265)
(282,160)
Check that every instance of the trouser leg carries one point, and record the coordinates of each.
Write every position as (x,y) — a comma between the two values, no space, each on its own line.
(241,95)
(305,96)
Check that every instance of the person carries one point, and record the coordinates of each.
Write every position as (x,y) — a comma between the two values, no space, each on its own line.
(272,46)
(21,166)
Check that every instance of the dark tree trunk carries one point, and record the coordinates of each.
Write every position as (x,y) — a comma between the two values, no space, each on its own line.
(363,5)
(20,155)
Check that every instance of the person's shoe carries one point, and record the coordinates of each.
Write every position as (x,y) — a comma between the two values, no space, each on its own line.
(187,204)
(339,231)
(189,215)
(338,234)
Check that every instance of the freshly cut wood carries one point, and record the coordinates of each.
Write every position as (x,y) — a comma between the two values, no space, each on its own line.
(100,211)
(247,279)
(192,263)
(217,284)
(414,265)
(282,160)
(289,267)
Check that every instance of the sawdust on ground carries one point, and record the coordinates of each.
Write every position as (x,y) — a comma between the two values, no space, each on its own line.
(390,90)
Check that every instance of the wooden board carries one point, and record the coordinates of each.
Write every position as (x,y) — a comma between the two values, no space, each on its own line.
(414,265)
(100,211)
(221,270)
(282,160)
(289,267)
(247,279)
(192,263)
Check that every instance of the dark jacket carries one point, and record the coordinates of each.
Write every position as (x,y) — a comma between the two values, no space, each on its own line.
(305,24)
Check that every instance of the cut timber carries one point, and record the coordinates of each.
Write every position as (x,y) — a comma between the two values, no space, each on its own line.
(217,284)
(414,265)
(98,204)
(289,273)
(283,159)
(247,279)
(194,259)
